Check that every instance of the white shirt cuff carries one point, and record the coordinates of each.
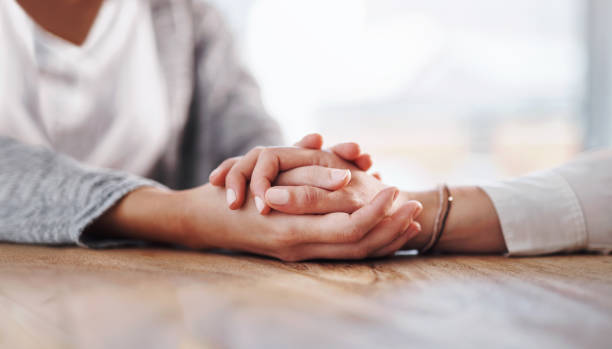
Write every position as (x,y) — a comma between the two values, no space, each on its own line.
(539,214)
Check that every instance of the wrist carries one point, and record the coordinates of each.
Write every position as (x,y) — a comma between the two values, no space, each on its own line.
(472,225)
(200,215)
(147,213)
(430,201)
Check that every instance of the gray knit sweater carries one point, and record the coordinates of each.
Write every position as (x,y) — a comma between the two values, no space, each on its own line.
(46,197)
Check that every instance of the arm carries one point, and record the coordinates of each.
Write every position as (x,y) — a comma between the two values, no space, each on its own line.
(564,209)
(472,225)
(197,219)
(48,198)
(560,210)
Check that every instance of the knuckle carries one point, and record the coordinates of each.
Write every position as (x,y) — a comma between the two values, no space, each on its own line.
(230,161)
(265,152)
(280,242)
(268,157)
(225,163)
(285,239)
(233,176)
(354,201)
(327,160)
(257,150)
(310,196)
(353,234)
(233,171)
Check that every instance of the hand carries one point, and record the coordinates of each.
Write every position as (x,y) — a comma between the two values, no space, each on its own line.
(305,190)
(195,219)
(302,189)
(235,172)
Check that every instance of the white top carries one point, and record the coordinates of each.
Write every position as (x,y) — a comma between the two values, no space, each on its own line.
(565,209)
(103,103)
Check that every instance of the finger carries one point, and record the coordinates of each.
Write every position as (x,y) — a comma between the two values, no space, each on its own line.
(315,176)
(363,161)
(381,236)
(310,200)
(413,229)
(347,151)
(217,176)
(311,141)
(377,176)
(237,177)
(415,226)
(273,160)
(341,227)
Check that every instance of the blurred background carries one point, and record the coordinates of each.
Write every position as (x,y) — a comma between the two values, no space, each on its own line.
(435,90)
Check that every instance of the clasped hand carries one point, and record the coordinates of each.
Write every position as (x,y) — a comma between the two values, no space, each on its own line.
(316,203)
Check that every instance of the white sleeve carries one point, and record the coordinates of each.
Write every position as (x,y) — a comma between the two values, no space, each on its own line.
(560,210)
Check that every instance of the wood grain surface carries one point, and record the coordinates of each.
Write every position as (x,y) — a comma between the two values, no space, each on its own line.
(163,298)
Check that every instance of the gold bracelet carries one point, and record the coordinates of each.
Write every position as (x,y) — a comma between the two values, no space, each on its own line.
(446,200)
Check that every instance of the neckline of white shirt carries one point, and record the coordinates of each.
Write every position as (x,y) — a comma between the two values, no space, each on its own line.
(114,16)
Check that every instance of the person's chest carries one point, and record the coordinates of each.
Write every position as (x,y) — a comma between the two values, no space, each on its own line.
(104,103)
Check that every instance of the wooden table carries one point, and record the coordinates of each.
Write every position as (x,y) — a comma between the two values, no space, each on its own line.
(150,298)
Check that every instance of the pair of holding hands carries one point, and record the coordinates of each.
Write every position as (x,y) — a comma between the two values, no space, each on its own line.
(307,203)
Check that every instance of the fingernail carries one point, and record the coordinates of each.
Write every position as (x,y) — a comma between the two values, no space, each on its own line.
(339,175)
(230,196)
(413,228)
(411,209)
(418,210)
(277,196)
(259,204)
(395,194)
(414,208)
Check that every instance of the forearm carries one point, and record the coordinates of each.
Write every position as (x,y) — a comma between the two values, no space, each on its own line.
(49,198)
(472,225)
(153,214)
(148,214)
